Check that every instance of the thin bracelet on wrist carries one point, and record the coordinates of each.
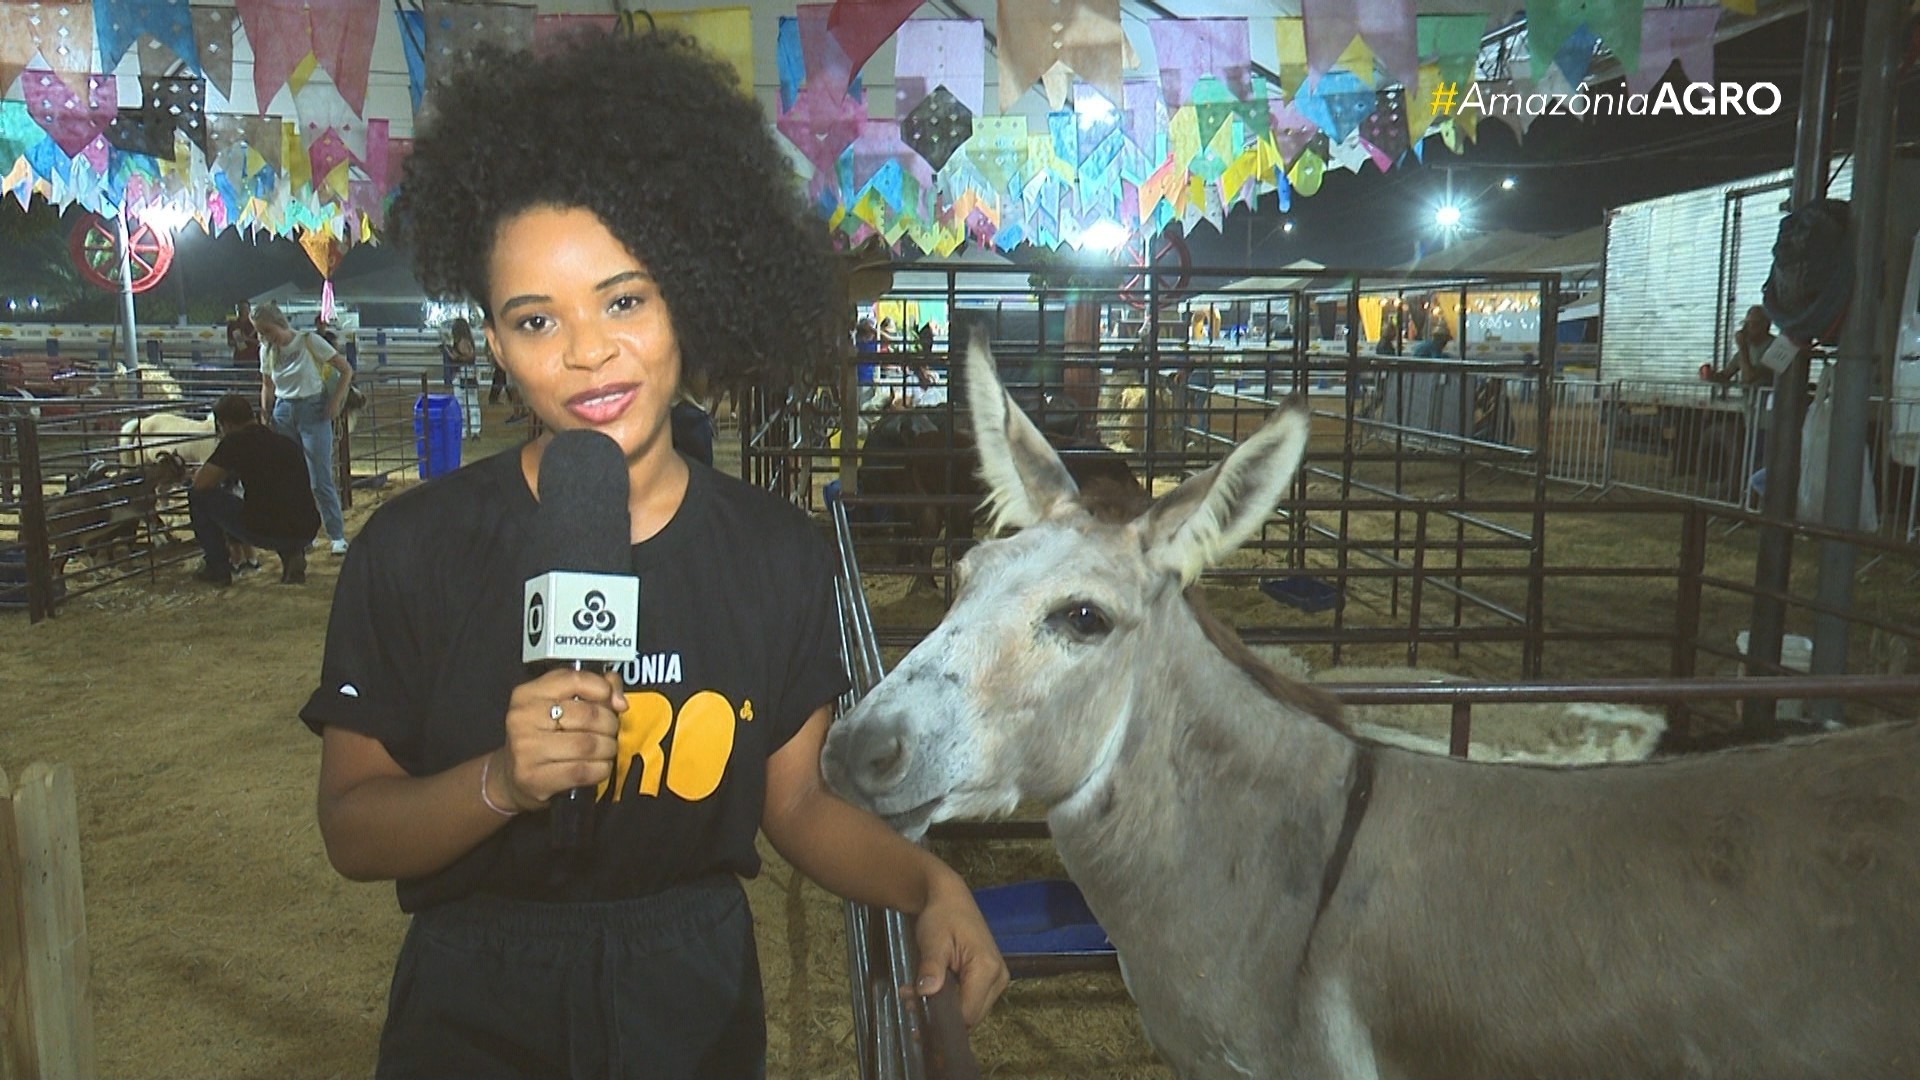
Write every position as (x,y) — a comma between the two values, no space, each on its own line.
(486,765)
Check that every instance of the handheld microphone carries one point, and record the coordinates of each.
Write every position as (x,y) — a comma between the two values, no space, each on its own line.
(582,604)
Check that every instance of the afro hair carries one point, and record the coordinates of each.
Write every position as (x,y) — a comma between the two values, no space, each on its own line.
(655,137)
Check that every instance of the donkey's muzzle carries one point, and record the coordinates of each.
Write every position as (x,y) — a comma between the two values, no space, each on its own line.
(867,761)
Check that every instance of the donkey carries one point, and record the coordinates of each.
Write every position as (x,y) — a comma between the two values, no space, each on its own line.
(1291,901)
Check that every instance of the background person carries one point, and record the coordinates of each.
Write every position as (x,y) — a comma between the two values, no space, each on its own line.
(276,511)
(1750,342)
(242,338)
(597,250)
(1434,345)
(303,402)
(458,353)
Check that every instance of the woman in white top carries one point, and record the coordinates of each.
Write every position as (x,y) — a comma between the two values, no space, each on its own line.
(294,392)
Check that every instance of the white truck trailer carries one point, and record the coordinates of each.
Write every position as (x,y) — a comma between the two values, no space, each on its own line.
(1680,273)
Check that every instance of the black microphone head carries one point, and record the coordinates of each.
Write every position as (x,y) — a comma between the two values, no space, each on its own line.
(582,522)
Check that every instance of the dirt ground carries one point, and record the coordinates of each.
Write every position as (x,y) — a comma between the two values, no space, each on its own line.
(223,945)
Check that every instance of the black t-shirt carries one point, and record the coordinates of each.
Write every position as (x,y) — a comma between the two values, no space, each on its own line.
(738,646)
(279,494)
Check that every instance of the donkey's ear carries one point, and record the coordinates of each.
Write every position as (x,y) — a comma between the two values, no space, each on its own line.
(1205,519)
(1024,477)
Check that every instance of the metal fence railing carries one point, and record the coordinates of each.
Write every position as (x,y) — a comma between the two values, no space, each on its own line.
(900,1036)
(85,504)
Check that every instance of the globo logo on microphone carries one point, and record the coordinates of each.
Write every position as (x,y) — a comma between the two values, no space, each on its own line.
(593,617)
(536,619)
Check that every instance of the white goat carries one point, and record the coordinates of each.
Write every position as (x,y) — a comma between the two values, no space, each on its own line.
(143,438)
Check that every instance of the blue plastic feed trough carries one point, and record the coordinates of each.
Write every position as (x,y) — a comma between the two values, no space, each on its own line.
(1306,593)
(1048,916)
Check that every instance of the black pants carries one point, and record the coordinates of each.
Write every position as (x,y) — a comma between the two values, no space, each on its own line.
(215,514)
(663,988)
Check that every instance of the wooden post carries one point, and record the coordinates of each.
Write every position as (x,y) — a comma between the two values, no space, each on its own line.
(46,1013)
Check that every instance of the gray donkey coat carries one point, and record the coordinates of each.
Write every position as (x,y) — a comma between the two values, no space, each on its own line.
(1289,901)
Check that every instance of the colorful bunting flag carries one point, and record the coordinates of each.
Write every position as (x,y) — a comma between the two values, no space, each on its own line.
(1290,40)
(1386,25)
(1668,34)
(1081,36)
(73,118)
(938,126)
(117,24)
(822,123)
(1189,49)
(861,26)
(343,32)
(940,52)
(281,35)
(1452,43)
(61,33)
(1551,23)
(452,30)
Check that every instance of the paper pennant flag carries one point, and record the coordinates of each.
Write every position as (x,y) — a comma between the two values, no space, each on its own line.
(117,24)
(224,134)
(1452,43)
(1550,23)
(862,25)
(1386,25)
(327,152)
(453,30)
(154,58)
(1094,120)
(1336,104)
(343,32)
(374,161)
(1306,173)
(1214,105)
(319,109)
(413,45)
(1082,36)
(73,119)
(726,32)
(1291,130)
(1191,48)
(61,33)
(822,123)
(266,136)
(1385,130)
(825,62)
(1144,117)
(939,52)
(1668,34)
(1358,60)
(1290,37)
(137,132)
(1575,58)
(937,127)
(998,149)
(180,102)
(281,36)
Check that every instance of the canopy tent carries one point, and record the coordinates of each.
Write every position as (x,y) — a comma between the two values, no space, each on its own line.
(998,130)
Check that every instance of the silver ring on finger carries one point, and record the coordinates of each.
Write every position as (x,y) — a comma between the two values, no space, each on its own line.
(559,710)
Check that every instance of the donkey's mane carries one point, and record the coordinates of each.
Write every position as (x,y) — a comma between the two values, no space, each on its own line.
(1312,700)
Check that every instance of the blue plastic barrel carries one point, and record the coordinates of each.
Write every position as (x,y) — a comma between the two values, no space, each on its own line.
(438,414)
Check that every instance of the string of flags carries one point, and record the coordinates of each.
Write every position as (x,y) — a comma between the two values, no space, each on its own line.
(1180,136)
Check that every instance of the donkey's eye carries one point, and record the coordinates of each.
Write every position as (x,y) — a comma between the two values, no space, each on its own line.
(1081,620)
